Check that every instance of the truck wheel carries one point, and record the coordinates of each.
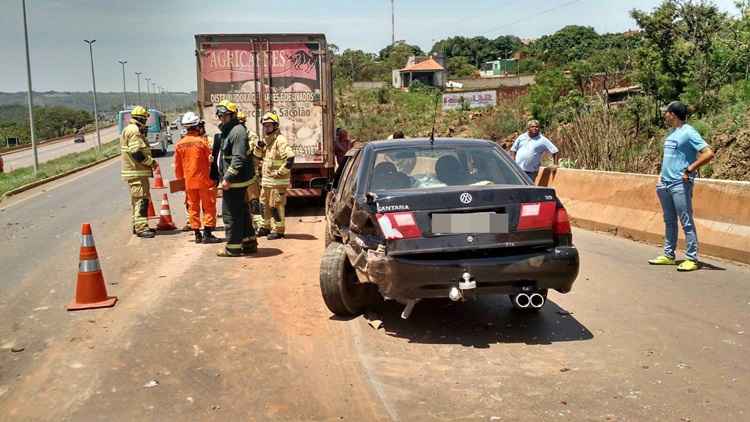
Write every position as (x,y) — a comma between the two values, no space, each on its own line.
(519,302)
(342,293)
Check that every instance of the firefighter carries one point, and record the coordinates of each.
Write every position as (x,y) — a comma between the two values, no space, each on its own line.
(193,165)
(236,173)
(137,167)
(278,159)
(256,160)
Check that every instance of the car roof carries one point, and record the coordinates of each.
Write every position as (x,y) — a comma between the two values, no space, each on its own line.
(422,142)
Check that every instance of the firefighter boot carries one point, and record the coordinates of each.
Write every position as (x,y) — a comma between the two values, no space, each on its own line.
(262,232)
(146,234)
(275,236)
(208,236)
(198,236)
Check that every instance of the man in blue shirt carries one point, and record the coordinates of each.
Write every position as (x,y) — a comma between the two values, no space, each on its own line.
(529,148)
(685,152)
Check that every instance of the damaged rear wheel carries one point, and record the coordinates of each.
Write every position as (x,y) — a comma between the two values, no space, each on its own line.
(342,293)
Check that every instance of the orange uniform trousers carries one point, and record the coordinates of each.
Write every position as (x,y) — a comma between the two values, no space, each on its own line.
(201,200)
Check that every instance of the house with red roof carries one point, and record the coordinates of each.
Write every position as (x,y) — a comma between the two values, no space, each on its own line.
(427,70)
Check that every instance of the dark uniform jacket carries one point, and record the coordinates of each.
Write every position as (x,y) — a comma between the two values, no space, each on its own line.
(235,165)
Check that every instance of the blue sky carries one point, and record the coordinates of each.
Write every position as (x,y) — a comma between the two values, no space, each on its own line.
(156,37)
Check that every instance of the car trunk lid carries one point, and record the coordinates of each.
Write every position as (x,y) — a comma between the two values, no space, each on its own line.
(466,218)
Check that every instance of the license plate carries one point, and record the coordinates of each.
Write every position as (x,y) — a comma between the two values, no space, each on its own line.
(488,222)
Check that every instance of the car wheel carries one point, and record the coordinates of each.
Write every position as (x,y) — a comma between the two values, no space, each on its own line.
(342,293)
(524,303)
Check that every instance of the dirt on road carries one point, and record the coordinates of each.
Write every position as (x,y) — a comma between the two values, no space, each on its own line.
(196,337)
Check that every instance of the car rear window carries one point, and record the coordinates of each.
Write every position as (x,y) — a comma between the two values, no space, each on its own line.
(432,168)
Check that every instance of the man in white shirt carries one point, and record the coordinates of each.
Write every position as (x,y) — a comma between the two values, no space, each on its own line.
(529,149)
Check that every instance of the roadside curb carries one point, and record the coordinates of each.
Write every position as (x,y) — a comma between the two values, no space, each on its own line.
(37,183)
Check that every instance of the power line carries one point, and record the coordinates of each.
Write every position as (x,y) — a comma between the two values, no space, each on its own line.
(543,12)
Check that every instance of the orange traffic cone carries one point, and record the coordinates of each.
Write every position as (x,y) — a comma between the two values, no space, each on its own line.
(165,216)
(158,181)
(91,292)
(151,212)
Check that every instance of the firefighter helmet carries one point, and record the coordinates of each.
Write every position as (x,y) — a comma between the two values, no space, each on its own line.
(226,106)
(270,117)
(139,112)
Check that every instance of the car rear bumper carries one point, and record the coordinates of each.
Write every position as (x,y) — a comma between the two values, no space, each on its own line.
(414,278)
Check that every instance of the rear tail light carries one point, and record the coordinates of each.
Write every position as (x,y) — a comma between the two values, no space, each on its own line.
(562,222)
(537,215)
(399,225)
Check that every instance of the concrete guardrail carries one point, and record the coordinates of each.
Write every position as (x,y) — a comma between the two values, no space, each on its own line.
(625,204)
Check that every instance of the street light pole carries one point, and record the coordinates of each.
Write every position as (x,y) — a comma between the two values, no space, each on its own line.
(93,81)
(30,96)
(155,95)
(124,95)
(148,93)
(138,75)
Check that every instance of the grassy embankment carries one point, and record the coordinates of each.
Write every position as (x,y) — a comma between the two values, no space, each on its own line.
(594,139)
(25,175)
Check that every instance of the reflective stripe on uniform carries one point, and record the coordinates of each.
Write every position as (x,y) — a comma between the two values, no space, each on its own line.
(87,240)
(135,173)
(89,266)
(233,246)
(273,183)
(241,184)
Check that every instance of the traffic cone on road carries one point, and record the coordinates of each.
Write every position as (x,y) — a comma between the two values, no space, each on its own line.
(91,292)
(165,216)
(151,215)
(158,181)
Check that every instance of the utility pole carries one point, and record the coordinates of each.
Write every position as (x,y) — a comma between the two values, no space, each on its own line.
(30,95)
(124,95)
(138,75)
(148,93)
(393,23)
(93,81)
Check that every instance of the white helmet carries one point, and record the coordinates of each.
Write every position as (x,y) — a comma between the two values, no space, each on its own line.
(190,119)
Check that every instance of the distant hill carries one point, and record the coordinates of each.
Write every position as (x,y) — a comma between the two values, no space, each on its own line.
(107,102)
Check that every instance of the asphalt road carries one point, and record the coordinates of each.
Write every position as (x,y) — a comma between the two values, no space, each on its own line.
(48,152)
(251,339)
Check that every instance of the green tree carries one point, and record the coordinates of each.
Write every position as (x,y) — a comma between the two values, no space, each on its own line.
(566,45)
(459,67)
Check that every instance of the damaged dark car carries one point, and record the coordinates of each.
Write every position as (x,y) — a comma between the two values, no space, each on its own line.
(449,218)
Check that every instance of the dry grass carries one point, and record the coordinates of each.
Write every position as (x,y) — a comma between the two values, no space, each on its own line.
(599,140)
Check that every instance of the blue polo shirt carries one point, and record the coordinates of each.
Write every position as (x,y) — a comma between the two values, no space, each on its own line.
(681,147)
(529,151)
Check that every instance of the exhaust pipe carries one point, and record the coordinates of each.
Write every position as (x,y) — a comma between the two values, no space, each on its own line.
(536,300)
(522,300)
(455,294)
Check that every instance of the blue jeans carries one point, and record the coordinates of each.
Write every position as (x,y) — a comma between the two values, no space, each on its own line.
(532,175)
(677,203)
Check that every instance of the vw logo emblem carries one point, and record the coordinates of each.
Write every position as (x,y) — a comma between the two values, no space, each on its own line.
(465,198)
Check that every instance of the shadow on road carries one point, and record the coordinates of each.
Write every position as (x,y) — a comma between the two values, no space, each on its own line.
(265,253)
(481,323)
(300,236)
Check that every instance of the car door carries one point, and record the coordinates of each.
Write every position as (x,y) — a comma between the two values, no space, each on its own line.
(342,196)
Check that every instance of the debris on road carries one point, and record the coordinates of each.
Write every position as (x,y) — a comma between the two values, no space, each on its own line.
(17,349)
(151,384)
(564,369)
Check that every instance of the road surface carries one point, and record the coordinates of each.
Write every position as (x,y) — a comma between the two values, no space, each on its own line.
(195,337)
(25,158)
